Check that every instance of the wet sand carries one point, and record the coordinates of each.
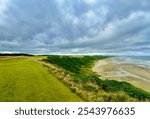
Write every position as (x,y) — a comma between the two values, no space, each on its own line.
(134,74)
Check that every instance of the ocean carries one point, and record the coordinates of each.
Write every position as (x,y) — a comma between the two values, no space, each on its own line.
(139,58)
(143,61)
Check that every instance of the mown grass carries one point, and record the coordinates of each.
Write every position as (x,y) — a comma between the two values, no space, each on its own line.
(24,80)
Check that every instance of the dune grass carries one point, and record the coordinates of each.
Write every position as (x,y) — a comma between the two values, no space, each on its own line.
(97,89)
(24,80)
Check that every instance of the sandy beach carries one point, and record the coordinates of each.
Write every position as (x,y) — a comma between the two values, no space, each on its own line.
(134,74)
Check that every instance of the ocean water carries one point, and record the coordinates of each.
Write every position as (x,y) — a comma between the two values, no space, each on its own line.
(143,61)
(139,58)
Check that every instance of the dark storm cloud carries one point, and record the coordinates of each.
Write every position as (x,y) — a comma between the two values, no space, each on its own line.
(81,26)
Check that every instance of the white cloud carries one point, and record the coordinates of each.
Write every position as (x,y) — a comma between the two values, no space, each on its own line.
(39,40)
(90,18)
(120,28)
(80,26)
(60,2)
(58,41)
(120,34)
(3,6)
(104,10)
(9,43)
(90,2)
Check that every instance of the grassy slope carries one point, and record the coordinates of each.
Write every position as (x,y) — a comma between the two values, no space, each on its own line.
(92,84)
(22,79)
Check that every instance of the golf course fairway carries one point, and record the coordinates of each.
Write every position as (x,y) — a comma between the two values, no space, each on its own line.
(24,80)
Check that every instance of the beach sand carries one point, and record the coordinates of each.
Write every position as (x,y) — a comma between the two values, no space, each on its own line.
(136,75)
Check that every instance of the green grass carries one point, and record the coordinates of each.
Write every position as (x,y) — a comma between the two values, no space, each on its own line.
(72,63)
(22,79)
(80,69)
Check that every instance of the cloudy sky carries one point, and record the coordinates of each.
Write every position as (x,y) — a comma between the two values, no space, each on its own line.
(75,26)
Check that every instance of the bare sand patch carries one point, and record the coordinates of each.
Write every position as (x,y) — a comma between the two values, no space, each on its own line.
(131,73)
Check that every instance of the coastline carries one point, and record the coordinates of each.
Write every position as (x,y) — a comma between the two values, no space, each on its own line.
(128,72)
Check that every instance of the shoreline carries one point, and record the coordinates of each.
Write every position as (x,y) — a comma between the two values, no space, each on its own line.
(128,72)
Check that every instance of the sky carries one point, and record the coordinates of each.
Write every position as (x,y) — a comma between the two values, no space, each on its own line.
(118,27)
